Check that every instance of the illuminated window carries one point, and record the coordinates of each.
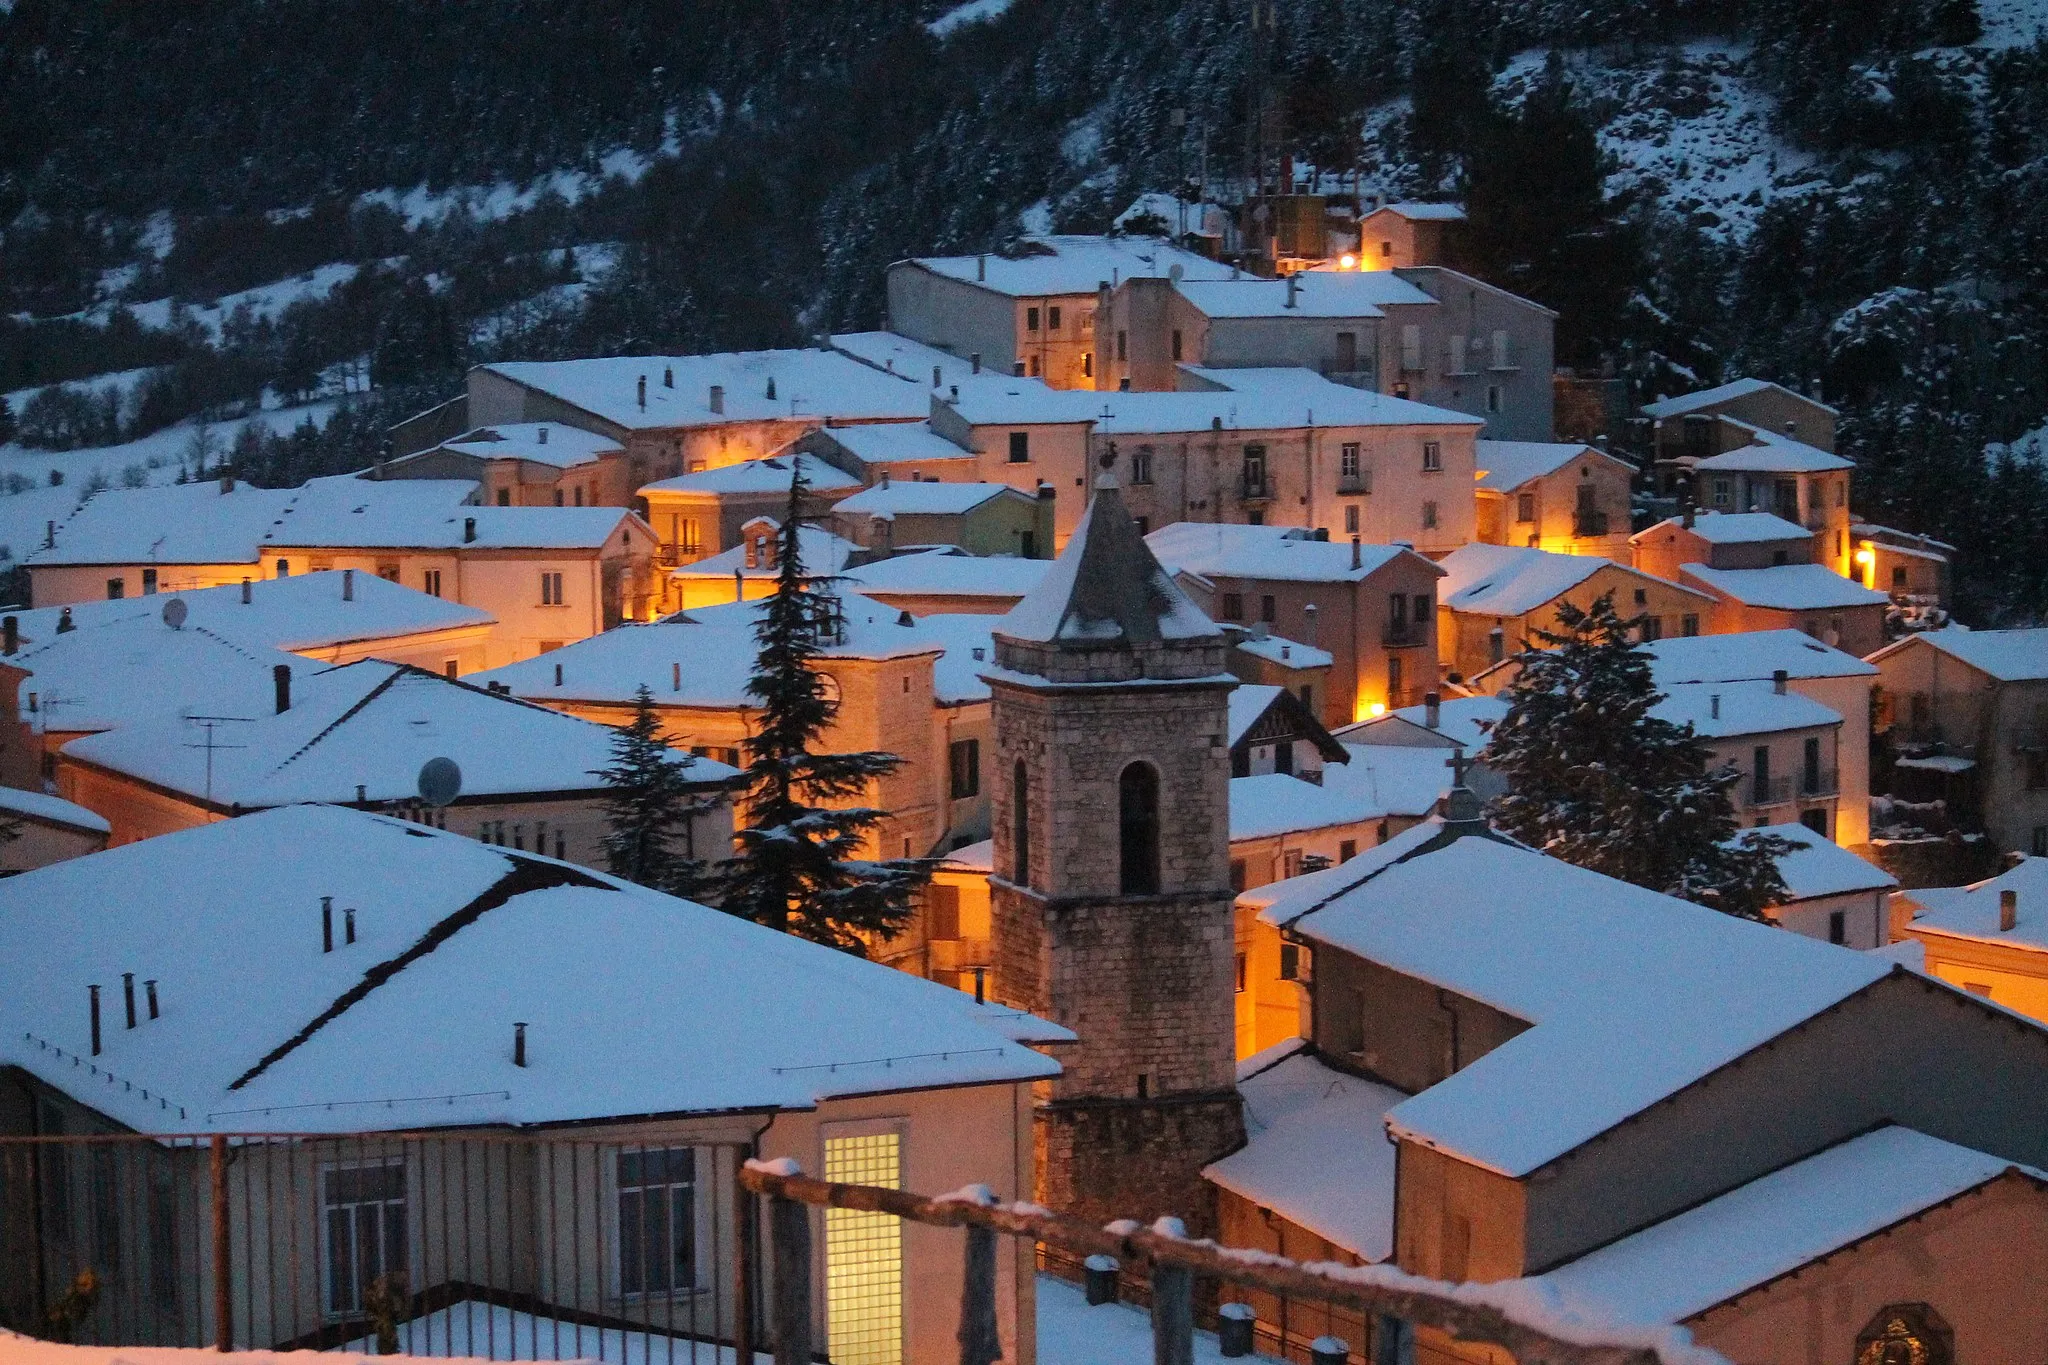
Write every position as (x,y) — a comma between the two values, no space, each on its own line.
(431,581)
(864,1256)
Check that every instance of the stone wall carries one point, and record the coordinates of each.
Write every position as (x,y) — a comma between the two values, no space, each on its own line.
(1104,1159)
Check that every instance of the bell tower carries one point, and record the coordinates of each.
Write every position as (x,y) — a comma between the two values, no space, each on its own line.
(1111,886)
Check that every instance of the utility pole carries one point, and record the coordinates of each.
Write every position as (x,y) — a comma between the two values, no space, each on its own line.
(211,724)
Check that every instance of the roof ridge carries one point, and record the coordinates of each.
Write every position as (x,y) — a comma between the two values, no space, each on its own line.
(1442,839)
(397,671)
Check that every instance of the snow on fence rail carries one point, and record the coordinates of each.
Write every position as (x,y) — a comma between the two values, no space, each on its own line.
(1497,1314)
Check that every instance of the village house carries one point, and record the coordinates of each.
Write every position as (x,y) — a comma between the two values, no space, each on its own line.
(1832,894)
(1686,428)
(361,735)
(1030,312)
(1481,350)
(696,516)
(21,746)
(980,518)
(1551,495)
(1433,1004)
(1989,938)
(946,580)
(1810,598)
(44,829)
(135,542)
(1409,233)
(895,450)
(903,686)
(750,569)
(534,1143)
(1966,712)
(1371,607)
(1720,540)
(1786,748)
(675,415)
(1913,570)
(519,464)
(1495,599)
(1263,658)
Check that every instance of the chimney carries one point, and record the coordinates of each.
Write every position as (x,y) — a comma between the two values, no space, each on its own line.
(1432,709)
(718,399)
(885,484)
(770,395)
(468,530)
(245,592)
(981,269)
(1357,554)
(675,677)
(348,925)
(974,362)
(643,393)
(1791,428)
(1308,616)
(348,585)
(227,483)
(2008,910)
(128,995)
(937,378)
(65,625)
(668,381)
(49,535)
(10,634)
(558,675)
(1779,677)
(1293,289)
(327,924)
(1714,706)
(739,585)
(540,438)
(519,1044)
(281,684)
(95,990)
(1691,514)
(149,989)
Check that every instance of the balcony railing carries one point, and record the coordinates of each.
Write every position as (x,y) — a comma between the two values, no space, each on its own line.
(1777,791)
(1397,634)
(1256,488)
(1353,483)
(1589,524)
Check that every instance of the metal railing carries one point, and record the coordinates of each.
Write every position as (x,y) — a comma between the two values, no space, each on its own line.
(1398,633)
(510,1248)
(1589,523)
(1778,791)
(1256,488)
(1171,1265)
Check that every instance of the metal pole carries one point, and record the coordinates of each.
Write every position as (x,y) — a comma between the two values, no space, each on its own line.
(223,1260)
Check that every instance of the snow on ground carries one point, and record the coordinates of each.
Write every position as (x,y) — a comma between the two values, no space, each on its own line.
(423,206)
(2011,23)
(122,382)
(961,16)
(1072,1332)
(263,301)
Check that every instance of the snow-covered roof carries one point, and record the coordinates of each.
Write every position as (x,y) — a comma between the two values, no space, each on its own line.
(1785,587)
(903,498)
(1248,701)
(770,475)
(1506,465)
(1818,866)
(455,940)
(302,612)
(1291,653)
(703,657)
(1106,586)
(895,354)
(1281,553)
(1391,779)
(192,523)
(369,727)
(53,810)
(2004,655)
(975,857)
(1420,212)
(1972,911)
(1281,803)
(1707,398)
(1511,580)
(1054,265)
(1253,399)
(1731,528)
(1768,1228)
(1772,453)
(941,573)
(1316,1150)
(433,514)
(897,442)
(1315,294)
(135,667)
(1724,710)
(807,384)
(1586,959)
(1749,654)
(823,554)
(550,443)
(1462,720)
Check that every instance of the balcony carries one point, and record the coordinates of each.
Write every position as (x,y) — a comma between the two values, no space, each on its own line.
(1818,785)
(1256,488)
(1353,484)
(1589,524)
(1401,634)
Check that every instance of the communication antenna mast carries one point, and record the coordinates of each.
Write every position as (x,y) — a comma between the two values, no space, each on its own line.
(211,724)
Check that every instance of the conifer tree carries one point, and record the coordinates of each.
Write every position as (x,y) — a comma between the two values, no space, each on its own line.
(1595,779)
(797,867)
(648,806)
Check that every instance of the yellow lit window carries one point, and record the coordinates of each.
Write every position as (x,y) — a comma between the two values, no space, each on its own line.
(864,1256)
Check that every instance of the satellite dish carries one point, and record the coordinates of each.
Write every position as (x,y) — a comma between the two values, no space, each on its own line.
(440,781)
(175,612)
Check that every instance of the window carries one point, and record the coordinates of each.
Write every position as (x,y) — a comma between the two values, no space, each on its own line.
(284,568)
(504,497)
(1724,493)
(1815,820)
(1432,457)
(1268,609)
(1838,926)
(1397,678)
(1347,460)
(1255,471)
(551,590)
(579,495)
(430,581)
(148,582)
(1642,597)
(1233,606)
(1525,507)
(1052,318)
(1020,447)
(942,919)
(1493,398)
(117,588)
(1811,776)
(1898,578)
(2040,841)
(1689,624)
(1652,629)
(1137,797)
(1351,519)
(1429,516)
(1347,353)
(1176,344)
(1454,356)
(1020,825)
(1760,775)
(1347,849)
(362,1212)
(450,667)
(864,1256)
(1141,465)
(964,759)
(1240,973)
(689,534)
(558,497)
(1034,367)
(387,569)
(1386,250)
(1841,492)
(1496,645)
(1500,350)
(1397,612)
(1030,319)
(1411,348)
(657,1220)
(1290,962)
(1237,877)
(1422,605)
(1122,351)
(1088,363)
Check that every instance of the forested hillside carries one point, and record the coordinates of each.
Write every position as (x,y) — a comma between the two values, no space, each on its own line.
(304,197)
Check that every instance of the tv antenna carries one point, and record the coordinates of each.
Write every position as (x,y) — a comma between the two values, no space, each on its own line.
(211,724)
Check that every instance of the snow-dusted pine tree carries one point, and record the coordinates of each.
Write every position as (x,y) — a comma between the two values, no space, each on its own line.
(648,806)
(798,866)
(1595,779)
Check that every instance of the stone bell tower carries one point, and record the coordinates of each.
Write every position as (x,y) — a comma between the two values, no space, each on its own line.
(1111,885)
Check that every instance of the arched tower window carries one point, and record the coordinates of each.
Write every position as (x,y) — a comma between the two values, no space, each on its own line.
(1137,793)
(1020,825)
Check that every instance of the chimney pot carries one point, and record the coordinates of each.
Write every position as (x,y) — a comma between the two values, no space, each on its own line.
(49,535)
(519,1044)
(348,925)
(468,530)
(1432,709)
(10,634)
(668,381)
(227,483)
(149,989)
(1714,706)
(1779,678)
(937,378)
(1357,553)
(95,992)
(558,675)
(1308,615)
(541,436)
(974,362)
(1691,515)
(718,399)
(128,995)
(348,585)
(65,625)
(981,269)
(245,592)
(643,393)
(675,679)
(2008,910)
(327,924)
(1293,289)
(281,685)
